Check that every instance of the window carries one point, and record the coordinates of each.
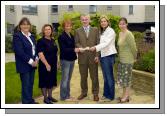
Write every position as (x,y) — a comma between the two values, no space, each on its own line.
(10,28)
(29,9)
(70,7)
(109,7)
(92,9)
(54,9)
(130,9)
(12,8)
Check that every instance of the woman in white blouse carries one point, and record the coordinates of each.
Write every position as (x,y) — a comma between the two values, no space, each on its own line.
(107,58)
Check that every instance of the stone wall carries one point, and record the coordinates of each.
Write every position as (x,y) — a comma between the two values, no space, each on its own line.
(143,82)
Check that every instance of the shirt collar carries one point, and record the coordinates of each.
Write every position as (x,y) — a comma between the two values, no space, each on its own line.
(86,27)
(29,34)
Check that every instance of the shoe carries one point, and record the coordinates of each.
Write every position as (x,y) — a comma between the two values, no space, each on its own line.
(96,98)
(124,101)
(52,99)
(104,99)
(81,97)
(47,101)
(68,99)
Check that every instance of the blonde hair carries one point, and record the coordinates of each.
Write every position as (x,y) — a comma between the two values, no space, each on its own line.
(105,17)
(85,15)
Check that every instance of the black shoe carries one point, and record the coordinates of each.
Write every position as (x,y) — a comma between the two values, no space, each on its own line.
(52,99)
(47,101)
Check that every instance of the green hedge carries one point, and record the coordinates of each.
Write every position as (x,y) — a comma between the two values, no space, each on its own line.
(146,62)
(8,44)
(75,17)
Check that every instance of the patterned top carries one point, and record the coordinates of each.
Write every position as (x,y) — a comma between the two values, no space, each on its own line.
(127,48)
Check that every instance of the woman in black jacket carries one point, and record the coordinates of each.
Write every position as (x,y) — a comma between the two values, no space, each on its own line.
(67,59)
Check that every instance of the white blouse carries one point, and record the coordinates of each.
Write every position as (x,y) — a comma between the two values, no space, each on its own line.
(107,43)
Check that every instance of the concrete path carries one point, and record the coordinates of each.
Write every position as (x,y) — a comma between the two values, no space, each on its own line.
(9,57)
(75,92)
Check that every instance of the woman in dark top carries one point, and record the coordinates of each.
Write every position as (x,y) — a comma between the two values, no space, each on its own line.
(47,51)
(67,59)
(24,47)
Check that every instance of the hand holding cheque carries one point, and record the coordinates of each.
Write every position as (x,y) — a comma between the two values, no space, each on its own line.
(92,49)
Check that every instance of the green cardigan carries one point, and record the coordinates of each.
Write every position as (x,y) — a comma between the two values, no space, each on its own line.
(127,49)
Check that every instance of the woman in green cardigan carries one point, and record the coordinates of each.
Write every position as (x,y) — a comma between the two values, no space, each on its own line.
(127,54)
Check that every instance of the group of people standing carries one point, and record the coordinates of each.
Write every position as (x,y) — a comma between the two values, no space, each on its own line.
(89,44)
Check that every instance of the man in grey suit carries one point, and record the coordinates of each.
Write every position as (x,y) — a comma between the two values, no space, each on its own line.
(86,37)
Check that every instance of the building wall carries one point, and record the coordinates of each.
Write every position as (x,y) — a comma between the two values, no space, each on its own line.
(38,19)
(10,17)
(150,13)
(138,15)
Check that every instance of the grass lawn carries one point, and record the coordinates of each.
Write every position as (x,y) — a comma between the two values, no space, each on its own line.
(13,84)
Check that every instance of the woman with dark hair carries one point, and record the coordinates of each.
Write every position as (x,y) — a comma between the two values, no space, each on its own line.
(47,51)
(127,54)
(24,47)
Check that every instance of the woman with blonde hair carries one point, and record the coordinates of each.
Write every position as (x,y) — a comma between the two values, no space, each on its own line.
(107,58)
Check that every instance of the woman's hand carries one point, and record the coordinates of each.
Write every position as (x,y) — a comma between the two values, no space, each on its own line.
(58,65)
(92,49)
(48,67)
(34,64)
(76,50)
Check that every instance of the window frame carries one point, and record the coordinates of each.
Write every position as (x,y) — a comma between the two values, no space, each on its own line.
(91,10)
(29,7)
(131,9)
(53,7)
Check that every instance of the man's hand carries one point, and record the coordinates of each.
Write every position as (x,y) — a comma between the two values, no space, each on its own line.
(96,59)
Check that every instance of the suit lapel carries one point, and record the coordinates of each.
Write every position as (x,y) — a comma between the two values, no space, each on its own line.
(83,31)
(90,30)
(26,39)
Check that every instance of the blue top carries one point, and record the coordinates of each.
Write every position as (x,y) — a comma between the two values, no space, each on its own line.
(23,52)
(67,47)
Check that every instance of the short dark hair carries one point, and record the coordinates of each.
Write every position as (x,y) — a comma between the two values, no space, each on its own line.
(123,19)
(22,21)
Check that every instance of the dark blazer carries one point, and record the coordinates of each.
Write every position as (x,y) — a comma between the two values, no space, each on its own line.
(67,47)
(23,52)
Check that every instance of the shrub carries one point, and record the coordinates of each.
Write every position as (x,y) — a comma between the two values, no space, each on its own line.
(146,62)
(8,44)
(75,17)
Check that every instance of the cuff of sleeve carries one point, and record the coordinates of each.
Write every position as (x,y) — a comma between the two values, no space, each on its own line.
(36,58)
(30,61)
(97,48)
